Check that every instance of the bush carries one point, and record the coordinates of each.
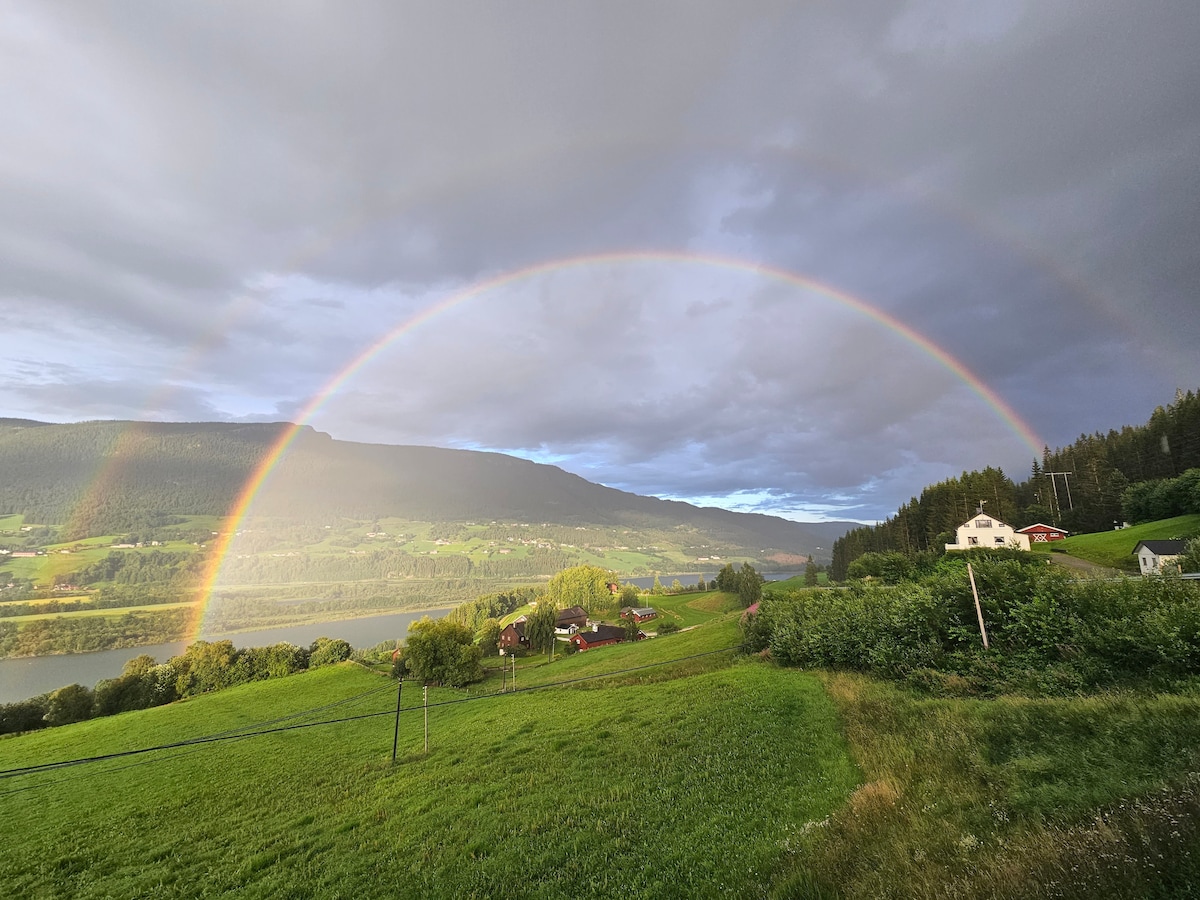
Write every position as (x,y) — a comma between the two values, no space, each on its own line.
(1049,635)
(668,627)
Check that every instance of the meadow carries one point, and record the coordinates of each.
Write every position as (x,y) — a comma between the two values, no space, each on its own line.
(715,775)
(622,789)
(1115,548)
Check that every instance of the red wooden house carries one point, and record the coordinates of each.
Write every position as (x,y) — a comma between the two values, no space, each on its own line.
(603,634)
(513,637)
(1040,534)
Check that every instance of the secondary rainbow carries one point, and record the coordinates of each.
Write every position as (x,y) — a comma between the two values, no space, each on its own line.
(281,445)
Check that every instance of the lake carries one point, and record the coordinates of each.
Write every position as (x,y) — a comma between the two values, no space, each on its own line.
(23,678)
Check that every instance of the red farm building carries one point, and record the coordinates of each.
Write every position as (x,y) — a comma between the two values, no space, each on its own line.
(1041,534)
(603,634)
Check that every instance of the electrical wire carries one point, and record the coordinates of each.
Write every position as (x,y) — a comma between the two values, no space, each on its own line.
(241,734)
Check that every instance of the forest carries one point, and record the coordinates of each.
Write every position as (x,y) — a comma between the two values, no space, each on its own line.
(1136,474)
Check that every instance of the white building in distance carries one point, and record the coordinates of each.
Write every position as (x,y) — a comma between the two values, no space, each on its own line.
(985,531)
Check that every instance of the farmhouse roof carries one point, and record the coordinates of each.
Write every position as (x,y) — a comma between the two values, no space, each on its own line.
(518,627)
(602,633)
(1035,527)
(1172,547)
(572,612)
(643,611)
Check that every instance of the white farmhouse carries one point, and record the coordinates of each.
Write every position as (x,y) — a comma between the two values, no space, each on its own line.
(1156,557)
(984,531)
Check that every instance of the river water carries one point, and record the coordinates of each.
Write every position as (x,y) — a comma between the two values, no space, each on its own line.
(28,677)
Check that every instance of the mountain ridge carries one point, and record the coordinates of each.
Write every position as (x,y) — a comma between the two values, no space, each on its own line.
(106,475)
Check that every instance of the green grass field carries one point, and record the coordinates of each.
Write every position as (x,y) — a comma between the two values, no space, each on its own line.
(97,613)
(1115,548)
(619,790)
(713,776)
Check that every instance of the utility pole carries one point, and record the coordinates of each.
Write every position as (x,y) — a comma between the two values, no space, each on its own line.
(1066,482)
(396,733)
(978,608)
(427,715)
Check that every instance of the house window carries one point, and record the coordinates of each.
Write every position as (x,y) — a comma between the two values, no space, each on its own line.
(972,540)
(983,523)
(999,540)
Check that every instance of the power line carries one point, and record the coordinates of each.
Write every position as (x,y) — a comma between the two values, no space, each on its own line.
(241,734)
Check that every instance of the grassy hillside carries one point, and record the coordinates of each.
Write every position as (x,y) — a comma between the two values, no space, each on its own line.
(1115,548)
(612,790)
(708,777)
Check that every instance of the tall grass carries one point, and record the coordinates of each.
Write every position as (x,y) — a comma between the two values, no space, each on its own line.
(1009,798)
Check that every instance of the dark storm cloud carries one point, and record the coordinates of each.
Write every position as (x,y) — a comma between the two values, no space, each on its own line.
(251,194)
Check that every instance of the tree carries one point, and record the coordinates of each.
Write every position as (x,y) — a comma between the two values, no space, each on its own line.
(629,596)
(72,703)
(205,667)
(327,651)
(585,586)
(443,651)
(749,585)
(539,627)
(629,623)
(810,574)
(727,579)
(676,586)
(488,637)
(656,589)
(701,585)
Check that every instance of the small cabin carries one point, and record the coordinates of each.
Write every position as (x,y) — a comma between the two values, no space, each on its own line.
(1157,557)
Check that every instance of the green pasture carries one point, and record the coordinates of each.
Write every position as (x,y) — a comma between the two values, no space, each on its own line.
(11,523)
(116,613)
(815,784)
(795,583)
(42,570)
(619,790)
(1115,548)
(690,609)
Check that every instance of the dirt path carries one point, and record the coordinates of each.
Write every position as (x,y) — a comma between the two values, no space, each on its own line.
(1075,564)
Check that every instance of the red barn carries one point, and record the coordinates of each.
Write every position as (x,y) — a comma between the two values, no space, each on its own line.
(1041,534)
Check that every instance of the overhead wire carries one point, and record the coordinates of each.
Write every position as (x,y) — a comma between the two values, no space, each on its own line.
(242,734)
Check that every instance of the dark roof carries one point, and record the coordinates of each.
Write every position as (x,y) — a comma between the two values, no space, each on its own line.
(518,627)
(1161,548)
(603,633)
(571,612)
(1040,525)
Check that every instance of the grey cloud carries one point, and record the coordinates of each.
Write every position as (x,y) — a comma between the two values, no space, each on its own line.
(250,195)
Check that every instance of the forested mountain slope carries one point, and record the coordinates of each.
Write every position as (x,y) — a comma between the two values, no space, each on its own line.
(108,477)
(1136,474)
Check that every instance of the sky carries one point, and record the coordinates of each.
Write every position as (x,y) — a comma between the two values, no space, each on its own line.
(797,258)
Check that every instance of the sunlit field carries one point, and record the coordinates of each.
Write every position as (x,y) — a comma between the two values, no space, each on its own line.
(618,790)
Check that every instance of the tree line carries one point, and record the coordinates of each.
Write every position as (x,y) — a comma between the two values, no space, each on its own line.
(1106,485)
(144,682)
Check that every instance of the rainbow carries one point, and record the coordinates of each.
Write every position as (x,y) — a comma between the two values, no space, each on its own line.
(254,484)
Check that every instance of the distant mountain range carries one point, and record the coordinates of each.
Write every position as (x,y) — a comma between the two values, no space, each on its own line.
(106,477)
